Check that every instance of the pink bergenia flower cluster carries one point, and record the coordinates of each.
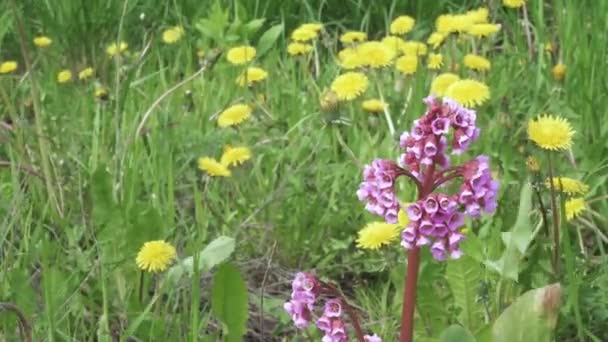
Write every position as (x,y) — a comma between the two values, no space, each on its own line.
(306,289)
(331,323)
(436,220)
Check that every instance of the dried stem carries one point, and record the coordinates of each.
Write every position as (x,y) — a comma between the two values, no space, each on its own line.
(24,325)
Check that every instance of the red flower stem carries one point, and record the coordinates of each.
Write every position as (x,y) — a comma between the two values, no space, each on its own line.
(404,172)
(445,179)
(413,264)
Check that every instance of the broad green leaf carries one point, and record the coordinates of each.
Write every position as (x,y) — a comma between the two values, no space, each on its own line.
(216,252)
(268,39)
(229,301)
(253,26)
(456,333)
(532,317)
(433,314)
(463,277)
(517,240)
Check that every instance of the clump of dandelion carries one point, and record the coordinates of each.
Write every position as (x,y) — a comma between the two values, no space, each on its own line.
(251,75)
(42,41)
(374,106)
(312,26)
(559,71)
(241,54)
(86,73)
(407,64)
(449,23)
(234,156)
(304,34)
(295,49)
(412,47)
(441,83)
(101,93)
(117,48)
(568,185)
(350,85)
(375,54)
(575,207)
(469,93)
(434,61)
(173,34)
(394,43)
(476,62)
(551,132)
(483,30)
(513,3)
(377,234)
(234,115)
(155,256)
(436,39)
(349,59)
(402,25)
(478,16)
(351,37)
(64,76)
(213,168)
(8,67)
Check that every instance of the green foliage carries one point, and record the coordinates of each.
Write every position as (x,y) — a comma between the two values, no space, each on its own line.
(532,317)
(229,301)
(456,333)
(464,277)
(216,252)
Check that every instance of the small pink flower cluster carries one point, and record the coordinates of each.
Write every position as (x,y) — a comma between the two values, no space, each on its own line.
(305,291)
(378,191)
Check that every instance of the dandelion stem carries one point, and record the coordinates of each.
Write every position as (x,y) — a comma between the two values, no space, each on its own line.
(555,259)
(141,287)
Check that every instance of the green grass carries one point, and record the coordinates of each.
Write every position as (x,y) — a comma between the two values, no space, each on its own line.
(70,232)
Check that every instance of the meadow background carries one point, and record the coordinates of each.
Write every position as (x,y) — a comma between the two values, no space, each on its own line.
(82,187)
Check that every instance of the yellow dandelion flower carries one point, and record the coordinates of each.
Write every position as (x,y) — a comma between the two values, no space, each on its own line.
(478,16)
(155,256)
(353,37)
(434,61)
(374,106)
(86,73)
(350,85)
(441,83)
(407,64)
(213,167)
(412,47)
(448,23)
(234,156)
(513,3)
(402,24)
(312,27)
(200,53)
(173,34)
(251,76)
(101,93)
(295,49)
(532,164)
(558,71)
(241,54)
(349,58)
(234,115)
(303,34)
(436,39)
(476,62)
(377,234)
(469,93)
(328,101)
(551,132)
(568,185)
(394,43)
(42,41)
(575,207)
(64,76)
(116,48)
(375,54)
(8,67)
(483,30)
